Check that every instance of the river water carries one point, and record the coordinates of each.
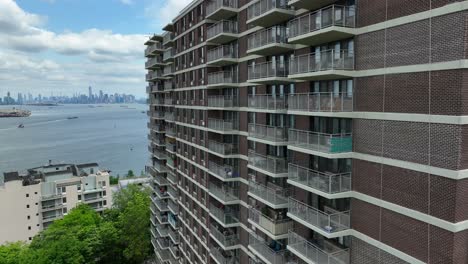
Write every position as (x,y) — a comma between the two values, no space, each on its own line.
(111,135)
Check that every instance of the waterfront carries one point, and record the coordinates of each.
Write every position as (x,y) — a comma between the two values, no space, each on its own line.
(113,136)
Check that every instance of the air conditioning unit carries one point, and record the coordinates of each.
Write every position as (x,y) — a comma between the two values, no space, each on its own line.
(193,157)
(193,138)
(203,162)
(193,119)
(202,122)
(191,82)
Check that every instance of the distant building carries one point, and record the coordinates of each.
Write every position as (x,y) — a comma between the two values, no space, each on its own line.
(32,200)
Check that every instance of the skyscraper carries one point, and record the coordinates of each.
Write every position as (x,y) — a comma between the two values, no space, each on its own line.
(90,92)
(310,131)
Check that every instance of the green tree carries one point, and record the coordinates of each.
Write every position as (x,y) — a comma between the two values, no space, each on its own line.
(11,252)
(113,180)
(130,174)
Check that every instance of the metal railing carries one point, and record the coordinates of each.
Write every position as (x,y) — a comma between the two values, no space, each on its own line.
(168,101)
(316,254)
(276,34)
(162,230)
(276,196)
(223,101)
(175,237)
(169,116)
(223,171)
(223,148)
(269,133)
(214,5)
(273,255)
(263,6)
(172,191)
(274,226)
(328,222)
(223,52)
(224,192)
(223,77)
(322,61)
(321,102)
(271,164)
(334,15)
(228,240)
(168,37)
(168,85)
(268,70)
(223,26)
(329,143)
(330,183)
(151,48)
(168,54)
(173,207)
(153,61)
(225,216)
(168,69)
(268,102)
(162,206)
(223,258)
(221,125)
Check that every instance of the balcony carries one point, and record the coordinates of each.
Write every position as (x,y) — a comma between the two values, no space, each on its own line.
(220,125)
(269,73)
(222,32)
(175,237)
(154,75)
(161,168)
(156,115)
(226,217)
(224,172)
(172,178)
(269,165)
(266,13)
(223,101)
(51,207)
(172,191)
(268,102)
(225,239)
(312,253)
(168,39)
(321,102)
(162,230)
(159,155)
(326,184)
(324,65)
(330,225)
(272,227)
(265,252)
(219,9)
(168,55)
(168,71)
(274,196)
(155,171)
(154,63)
(272,135)
(160,205)
(162,219)
(162,254)
(332,23)
(223,55)
(223,79)
(173,207)
(168,85)
(224,149)
(315,143)
(223,258)
(270,41)
(169,117)
(224,193)
(154,49)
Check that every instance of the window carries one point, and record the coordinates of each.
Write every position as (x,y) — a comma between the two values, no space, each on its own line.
(79,197)
(35,192)
(64,200)
(104,202)
(27,206)
(27,195)
(29,227)
(64,210)
(30,238)
(29,217)
(78,187)
(104,193)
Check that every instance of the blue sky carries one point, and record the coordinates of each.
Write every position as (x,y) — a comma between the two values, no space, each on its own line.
(63,46)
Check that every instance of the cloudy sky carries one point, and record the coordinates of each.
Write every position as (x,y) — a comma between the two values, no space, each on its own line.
(64,46)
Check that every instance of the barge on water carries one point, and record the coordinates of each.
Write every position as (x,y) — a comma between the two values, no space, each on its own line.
(14,113)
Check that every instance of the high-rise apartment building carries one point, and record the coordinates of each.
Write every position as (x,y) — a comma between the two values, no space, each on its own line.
(310,131)
(30,201)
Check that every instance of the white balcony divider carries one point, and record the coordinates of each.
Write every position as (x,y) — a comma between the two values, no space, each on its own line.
(321,102)
(267,102)
(276,34)
(334,15)
(222,125)
(223,101)
(276,196)
(322,61)
(314,253)
(223,171)
(226,216)
(224,192)
(214,5)
(223,148)
(223,77)
(263,6)
(274,256)
(223,26)
(328,222)
(223,52)
(269,163)
(270,133)
(228,240)
(329,143)
(268,70)
(275,226)
(322,181)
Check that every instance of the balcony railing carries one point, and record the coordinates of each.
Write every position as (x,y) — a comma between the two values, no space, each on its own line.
(223,148)
(330,183)
(276,34)
(335,15)
(223,101)
(162,206)
(168,70)
(276,196)
(269,133)
(226,216)
(223,52)
(274,226)
(173,207)
(168,85)
(168,54)
(329,143)
(224,193)
(222,27)
(169,116)
(222,77)
(223,171)
(168,38)
(214,5)
(271,164)
(153,47)
(223,258)
(263,6)
(322,61)
(153,61)
(321,102)
(268,102)
(168,101)
(269,70)
(227,240)
(221,125)
(327,222)
(162,230)
(273,255)
(314,253)
(175,237)
(172,192)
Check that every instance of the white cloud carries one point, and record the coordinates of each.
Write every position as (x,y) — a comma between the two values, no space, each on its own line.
(126,2)
(162,12)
